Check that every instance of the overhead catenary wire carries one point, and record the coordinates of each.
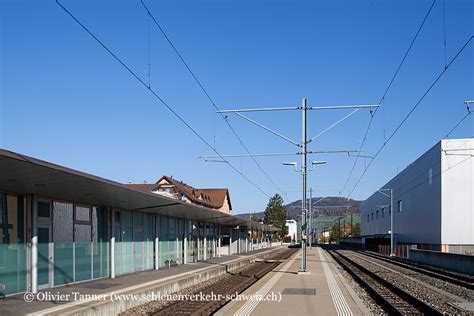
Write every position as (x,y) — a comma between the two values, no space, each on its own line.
(224,117)
(444,33)
(412,110)
(156,95)
(382,99)
(456,126)
(434,165)
(422,173)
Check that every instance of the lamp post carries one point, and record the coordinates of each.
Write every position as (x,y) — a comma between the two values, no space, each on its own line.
(304,108)
(304,215)
(381,191)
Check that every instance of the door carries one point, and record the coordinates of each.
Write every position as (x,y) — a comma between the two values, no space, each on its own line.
(44,257)
(45,253)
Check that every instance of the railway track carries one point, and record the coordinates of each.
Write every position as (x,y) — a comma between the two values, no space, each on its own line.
(450,277)
(393,299)
(222,290)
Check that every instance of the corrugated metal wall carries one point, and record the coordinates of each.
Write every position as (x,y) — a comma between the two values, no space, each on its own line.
(418,187)
(457,182)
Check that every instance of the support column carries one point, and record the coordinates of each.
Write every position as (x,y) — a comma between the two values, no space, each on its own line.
(251,239)
(185,242)
(219,242)
(112,244)
(238,240)
(34,245)
(157,243)
(214,244)
(205,242)
(259,244)
(246,239)
(230,240)
(198,245)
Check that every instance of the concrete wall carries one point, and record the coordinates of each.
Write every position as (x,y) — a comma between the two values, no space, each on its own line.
(420,218)
(448,261)
(457,183)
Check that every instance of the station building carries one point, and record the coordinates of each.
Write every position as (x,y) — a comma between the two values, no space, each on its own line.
(433,201)
(60,226)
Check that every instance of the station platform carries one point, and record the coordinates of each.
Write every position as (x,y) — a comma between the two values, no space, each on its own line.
(111,296)
(321,291)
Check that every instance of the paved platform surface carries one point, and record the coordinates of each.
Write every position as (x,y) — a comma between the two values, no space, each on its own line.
(323,291)
(16,305)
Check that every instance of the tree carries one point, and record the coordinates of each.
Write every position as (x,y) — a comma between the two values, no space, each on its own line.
(334,233)
(275,215)
(356,230)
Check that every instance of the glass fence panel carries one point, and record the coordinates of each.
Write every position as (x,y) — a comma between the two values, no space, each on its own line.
(63,263)
(149,249)
(134,256)
(13,267)
(180,252)
(100,259)
(163,250)
(190,252)
(172,249)
(201,248)
(118,258)
(83,261)
(138,255)
(127,257)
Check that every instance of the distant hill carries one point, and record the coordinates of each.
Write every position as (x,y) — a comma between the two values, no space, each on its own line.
(328,209)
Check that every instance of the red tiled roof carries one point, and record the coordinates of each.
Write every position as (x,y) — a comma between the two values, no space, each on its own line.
(213,198)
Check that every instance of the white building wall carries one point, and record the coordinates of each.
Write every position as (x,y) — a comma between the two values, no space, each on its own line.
(420,218)
(457,182)
(292,230)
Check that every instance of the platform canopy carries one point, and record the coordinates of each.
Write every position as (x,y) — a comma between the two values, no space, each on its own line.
(25,175)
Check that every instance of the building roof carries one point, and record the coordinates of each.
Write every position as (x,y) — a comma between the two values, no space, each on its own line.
(218,196)
(212,197)
(26,175)
(145,187)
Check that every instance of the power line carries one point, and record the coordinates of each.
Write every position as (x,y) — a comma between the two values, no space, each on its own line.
(412,165)
(456,126)
(155,94)
(447,135)
(444,32)
(412,110)
(207,94)
(387,89)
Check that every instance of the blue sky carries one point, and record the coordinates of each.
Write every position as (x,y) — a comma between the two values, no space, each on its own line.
(65,100)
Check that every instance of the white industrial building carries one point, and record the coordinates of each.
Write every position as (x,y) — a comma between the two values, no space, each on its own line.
(292,230)
(433,201)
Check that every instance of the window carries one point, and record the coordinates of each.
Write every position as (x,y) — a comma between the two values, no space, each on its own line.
(368,218)
(389,211)
(377,215)
(430,176)
(400,206)
(383,212)
(82,224)
(83,214)
(372,217)
(43,209)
